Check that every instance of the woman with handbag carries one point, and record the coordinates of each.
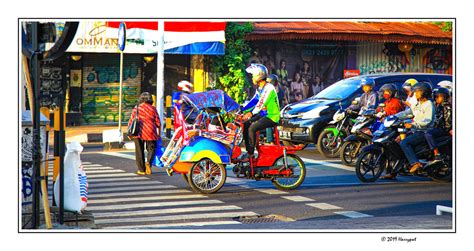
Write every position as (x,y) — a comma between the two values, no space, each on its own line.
(144,129)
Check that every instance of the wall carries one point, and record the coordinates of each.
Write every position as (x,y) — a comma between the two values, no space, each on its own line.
(100,78)
(378,57)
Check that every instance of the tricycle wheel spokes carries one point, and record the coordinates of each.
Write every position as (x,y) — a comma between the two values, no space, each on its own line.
(206,176)
(297,174)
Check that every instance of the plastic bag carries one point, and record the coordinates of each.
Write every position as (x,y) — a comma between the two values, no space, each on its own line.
(75,180)
(159,152)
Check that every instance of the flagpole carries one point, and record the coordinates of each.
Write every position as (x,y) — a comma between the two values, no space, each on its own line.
(160,71)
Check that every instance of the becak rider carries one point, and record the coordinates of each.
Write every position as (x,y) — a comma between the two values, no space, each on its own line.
(267,101)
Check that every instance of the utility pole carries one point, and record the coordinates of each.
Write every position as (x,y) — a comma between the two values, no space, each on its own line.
(35,65)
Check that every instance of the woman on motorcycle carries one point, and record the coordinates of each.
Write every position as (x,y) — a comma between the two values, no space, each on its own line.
(424,118)
(393,105)
(266,112)
(443,123)
(408,88)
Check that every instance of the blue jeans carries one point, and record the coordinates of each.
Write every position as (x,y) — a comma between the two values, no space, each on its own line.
(433,133)
(409,143)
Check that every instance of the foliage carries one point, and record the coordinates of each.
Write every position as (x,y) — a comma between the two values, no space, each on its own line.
(445,26)
(230,68)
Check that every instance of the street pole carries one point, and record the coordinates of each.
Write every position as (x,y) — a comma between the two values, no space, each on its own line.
(120,95)
(36,127)
(160,71)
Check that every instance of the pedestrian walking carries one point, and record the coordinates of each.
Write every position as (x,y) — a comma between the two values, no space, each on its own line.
(148,132)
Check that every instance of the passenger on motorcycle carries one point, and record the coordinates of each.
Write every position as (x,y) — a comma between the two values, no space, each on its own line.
(266,112)
(369,99)
(393,105)
(424,118)
(407,87)
(443,122)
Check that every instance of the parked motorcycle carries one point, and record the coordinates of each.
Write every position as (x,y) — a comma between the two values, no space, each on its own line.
(386,154)
(361,136)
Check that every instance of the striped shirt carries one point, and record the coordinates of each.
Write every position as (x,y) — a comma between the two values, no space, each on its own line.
(149,121)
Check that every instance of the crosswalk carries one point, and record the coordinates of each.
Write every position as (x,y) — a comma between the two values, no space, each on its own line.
(122,200)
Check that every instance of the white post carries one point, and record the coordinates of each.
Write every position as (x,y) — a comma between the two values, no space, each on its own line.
(120,96)
(160,72)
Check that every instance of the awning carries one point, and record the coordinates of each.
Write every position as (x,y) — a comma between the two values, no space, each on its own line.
(204,38)
(397,32)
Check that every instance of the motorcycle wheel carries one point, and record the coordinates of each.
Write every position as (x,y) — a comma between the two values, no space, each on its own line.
(370,165)
(206,177)
(444,173)
(325,147)
(347,154)
(299,173)
(293,144)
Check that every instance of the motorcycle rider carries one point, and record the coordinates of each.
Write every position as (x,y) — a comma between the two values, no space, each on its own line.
(393,105)
(369,99)
(407,87)
(443,123)
(424,118)
(267,101)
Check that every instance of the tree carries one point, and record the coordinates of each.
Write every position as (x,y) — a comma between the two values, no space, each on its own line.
(230,68)
(445,26)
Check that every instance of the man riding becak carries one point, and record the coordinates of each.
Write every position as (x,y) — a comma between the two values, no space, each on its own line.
(265,113)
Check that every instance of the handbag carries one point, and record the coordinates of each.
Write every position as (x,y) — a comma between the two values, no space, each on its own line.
(132,129)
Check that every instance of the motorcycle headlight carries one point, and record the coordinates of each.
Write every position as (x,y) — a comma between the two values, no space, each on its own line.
(313,113)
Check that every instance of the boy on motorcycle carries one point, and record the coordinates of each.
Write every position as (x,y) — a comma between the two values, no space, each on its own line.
(393,105)
(424,118)
(443,122)
(266,112)
(369,99)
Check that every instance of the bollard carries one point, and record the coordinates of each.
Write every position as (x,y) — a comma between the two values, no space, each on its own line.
(168,117)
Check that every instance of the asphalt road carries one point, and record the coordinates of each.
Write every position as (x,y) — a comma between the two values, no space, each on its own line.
(330,199)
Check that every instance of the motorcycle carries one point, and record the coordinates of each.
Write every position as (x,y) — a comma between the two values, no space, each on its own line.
(201,152)
(361,136)
(386,154)
(331,138)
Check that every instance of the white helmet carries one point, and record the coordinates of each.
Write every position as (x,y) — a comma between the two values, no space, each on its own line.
(446,84)
(186,87)
(258,71)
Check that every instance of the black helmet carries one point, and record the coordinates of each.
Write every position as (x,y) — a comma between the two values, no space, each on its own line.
(389,87)
(145,98)
(367,81)
(441,91)
(273,79)
(424,87)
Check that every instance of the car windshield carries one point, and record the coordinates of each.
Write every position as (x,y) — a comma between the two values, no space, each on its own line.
(339,90)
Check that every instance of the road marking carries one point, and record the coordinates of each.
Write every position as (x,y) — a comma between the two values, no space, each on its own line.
(149,198)
(125,189)
(271,191)
(166,211)
(118,179)
(88,172)
(325,163)
(132,183)
(120,155)
(91,165)
(188,224)
(353,214)
(176,217)
(111,175)
(297,198)
(152,192)
(98,168)
(323,206)
(155,204)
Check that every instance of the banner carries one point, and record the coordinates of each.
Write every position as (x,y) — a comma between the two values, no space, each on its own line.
(205,38)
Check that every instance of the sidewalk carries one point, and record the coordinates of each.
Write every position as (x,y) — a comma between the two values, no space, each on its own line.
(86,134)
